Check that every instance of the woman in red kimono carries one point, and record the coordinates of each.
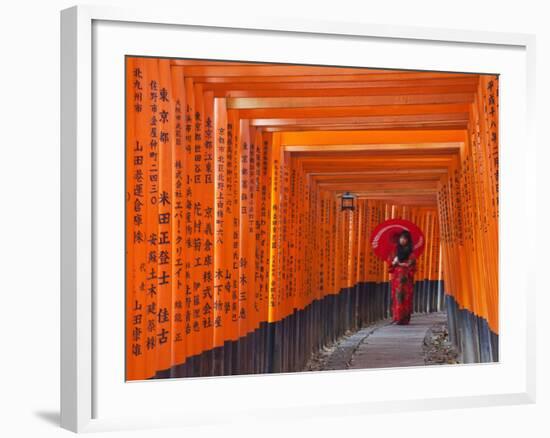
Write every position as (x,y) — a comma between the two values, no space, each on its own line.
(402,268)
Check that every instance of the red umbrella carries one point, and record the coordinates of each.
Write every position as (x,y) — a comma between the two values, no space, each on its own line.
(384,237)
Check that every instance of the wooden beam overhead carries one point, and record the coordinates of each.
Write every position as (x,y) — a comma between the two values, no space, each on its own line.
(347,91)
(319,121)
(359,76)
(371,137)
(415,126)
(221,88)
(450,147)
(353,111)
(346,101)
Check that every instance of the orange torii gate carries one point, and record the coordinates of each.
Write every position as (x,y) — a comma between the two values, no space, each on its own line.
(239,258)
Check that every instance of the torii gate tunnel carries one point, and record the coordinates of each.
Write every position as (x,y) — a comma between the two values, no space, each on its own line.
(239,258)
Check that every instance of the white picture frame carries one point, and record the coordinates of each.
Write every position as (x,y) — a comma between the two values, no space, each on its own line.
(83,387)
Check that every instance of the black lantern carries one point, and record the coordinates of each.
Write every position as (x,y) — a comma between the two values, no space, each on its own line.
(348,201)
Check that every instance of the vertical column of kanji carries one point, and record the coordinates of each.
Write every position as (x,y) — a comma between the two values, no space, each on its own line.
(450,267)
(305,234)
(421,218)
(456,205)
(204,147)
(282,241)
(489,85)
(192,275)
(338,248)
(232,224)
(248,238)
(443,214)
(317,228)
(441,224)
(253,209)
(132,343)
(329,236)
(478,299)
(324,235)
(356,245)
(258,336)
(335,211)
(135,223)
(297,304)
(222,242)
(468,243)
(340,256)
(468,279)
(255,229)
(164,217)
(292,233)
(434,273)
(240,304)
(276,158)
(316,236)
(376,216)
(479,154)
(284,253)
(429,242)
(346,234)
(244,235)
(436,256)
(359,241)
(179,306)
(426,221)
(324,238)
(265,222)
(301,239)
(318,233)
(477,252)
(382,211)
(488,90)
(288,262)
(365,260)
(309,234)
(311,290)
(368,247)
(346,231)
(480,199)
(151,206)
(473,254)
(386,211)
(453,263)
(354,267)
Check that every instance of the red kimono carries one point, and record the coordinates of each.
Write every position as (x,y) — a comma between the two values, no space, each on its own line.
(402,288)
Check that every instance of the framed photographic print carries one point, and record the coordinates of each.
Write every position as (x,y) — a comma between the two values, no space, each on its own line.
(258,207)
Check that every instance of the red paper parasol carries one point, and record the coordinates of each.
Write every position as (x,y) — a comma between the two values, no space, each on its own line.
(384,237)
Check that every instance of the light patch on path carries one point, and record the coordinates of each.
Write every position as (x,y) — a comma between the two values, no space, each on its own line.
(396,345)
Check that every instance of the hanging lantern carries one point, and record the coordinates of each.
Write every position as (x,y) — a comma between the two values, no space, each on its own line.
(348,201)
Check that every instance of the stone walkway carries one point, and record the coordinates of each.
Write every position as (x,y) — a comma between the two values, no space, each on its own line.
(396,345)
(382,345)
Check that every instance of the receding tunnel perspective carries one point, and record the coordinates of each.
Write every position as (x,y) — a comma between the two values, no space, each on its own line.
(294,218)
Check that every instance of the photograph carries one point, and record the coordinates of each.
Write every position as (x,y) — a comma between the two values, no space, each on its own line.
(289,218)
